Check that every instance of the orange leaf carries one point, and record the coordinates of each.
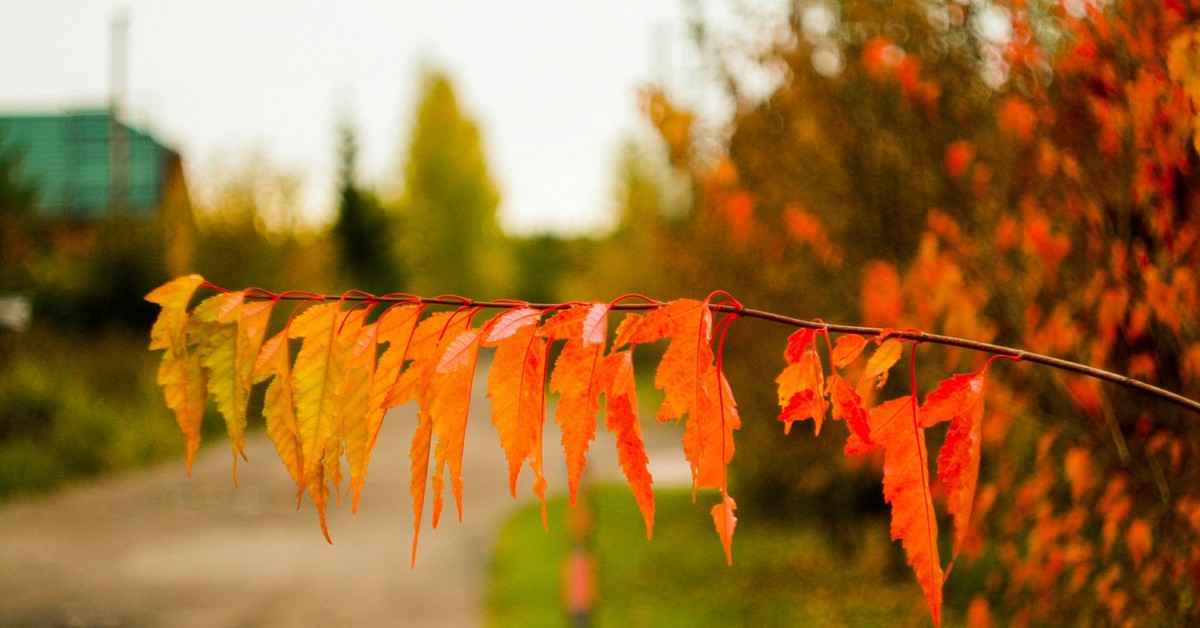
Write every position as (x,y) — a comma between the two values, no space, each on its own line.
(279,409)
(801,390)
(217,345)
(622,420)
(725,522)
(173,296)
(798,343)
(516,386)
(448,413)
(181,375)
(574,379)
(511,321)
(894,426)
(847,349)
(880,363)
(693,385)
(960,401)
(314,380)
(848,405)
(354,394)
(395,328)
(1139,540)
(416,383)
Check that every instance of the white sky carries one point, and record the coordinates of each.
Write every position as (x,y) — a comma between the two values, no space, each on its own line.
(552,83)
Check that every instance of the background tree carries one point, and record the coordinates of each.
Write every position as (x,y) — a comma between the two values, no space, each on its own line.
(1011,171)
(364,231)
(452,242)
(249,230)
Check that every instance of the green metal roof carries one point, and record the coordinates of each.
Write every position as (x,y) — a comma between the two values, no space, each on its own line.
(68,158)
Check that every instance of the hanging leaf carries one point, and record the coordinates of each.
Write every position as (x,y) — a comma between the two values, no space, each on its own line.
(880,363)
(575,380)
(181,374)
(415,383)
(218,345)
(621,419)
(516,387)
(895,428)
(451,384)
(279,409)
(315,377)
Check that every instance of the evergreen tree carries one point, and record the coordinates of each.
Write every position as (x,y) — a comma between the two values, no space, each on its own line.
(452,242)
(364,232)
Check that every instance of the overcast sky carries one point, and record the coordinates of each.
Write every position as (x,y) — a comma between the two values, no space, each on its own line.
(552,83)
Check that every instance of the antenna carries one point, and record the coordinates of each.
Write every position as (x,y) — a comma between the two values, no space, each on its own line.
(118,138)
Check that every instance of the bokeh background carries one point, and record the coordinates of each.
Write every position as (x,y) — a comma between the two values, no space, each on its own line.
(1012,171)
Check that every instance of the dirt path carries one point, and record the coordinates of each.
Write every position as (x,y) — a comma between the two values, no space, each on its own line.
(156,548)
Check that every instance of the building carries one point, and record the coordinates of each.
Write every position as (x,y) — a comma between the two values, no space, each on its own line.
(86,166)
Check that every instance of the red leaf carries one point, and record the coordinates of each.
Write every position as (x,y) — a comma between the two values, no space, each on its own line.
(575,380)
(960,401)
(725,522)
(800,341)
(516,386)
(801,389)
(448,414)
(622,420)
(846,350)
(848,405)
(894,426)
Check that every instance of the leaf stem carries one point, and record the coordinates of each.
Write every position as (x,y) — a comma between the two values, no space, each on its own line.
(736,308)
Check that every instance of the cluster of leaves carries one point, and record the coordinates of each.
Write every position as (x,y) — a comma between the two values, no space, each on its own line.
(1037,190)
(328,402)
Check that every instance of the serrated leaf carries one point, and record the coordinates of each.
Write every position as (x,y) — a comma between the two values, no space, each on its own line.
(279,407)
(424,348)
(575,380)
(958,400)
(895,428)
(315,375)
(725,522)
(516,386)
(511,321)
(181,377)
(448,412)
(802,390)
(621,419)
(173,296)
(215,322)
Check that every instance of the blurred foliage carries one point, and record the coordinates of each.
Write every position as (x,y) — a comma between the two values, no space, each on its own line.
(1015,172)
(74,405)
(249,231)
(364,230)
(451,241)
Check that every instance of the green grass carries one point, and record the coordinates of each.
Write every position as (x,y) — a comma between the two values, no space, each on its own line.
(781,575)
(74,406)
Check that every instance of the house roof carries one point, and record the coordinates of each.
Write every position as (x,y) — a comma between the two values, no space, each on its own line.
(87,164)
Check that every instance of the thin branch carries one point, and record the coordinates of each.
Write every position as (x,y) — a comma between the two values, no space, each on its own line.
(736,308)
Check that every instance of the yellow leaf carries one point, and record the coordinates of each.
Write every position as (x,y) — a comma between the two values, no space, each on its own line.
(278,407)
(173,296)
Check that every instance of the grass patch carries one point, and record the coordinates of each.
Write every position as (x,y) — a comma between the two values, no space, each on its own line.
(73,406)
(781,575)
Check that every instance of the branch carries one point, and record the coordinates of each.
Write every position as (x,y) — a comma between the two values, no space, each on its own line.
(736,309)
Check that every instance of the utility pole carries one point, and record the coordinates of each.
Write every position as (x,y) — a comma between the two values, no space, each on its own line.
(118,138)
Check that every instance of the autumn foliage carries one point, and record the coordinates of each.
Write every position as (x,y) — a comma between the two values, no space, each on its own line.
(1037,191)
(360,355)
(1032,185)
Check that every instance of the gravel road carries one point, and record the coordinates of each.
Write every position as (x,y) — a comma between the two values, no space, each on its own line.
(157,548)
